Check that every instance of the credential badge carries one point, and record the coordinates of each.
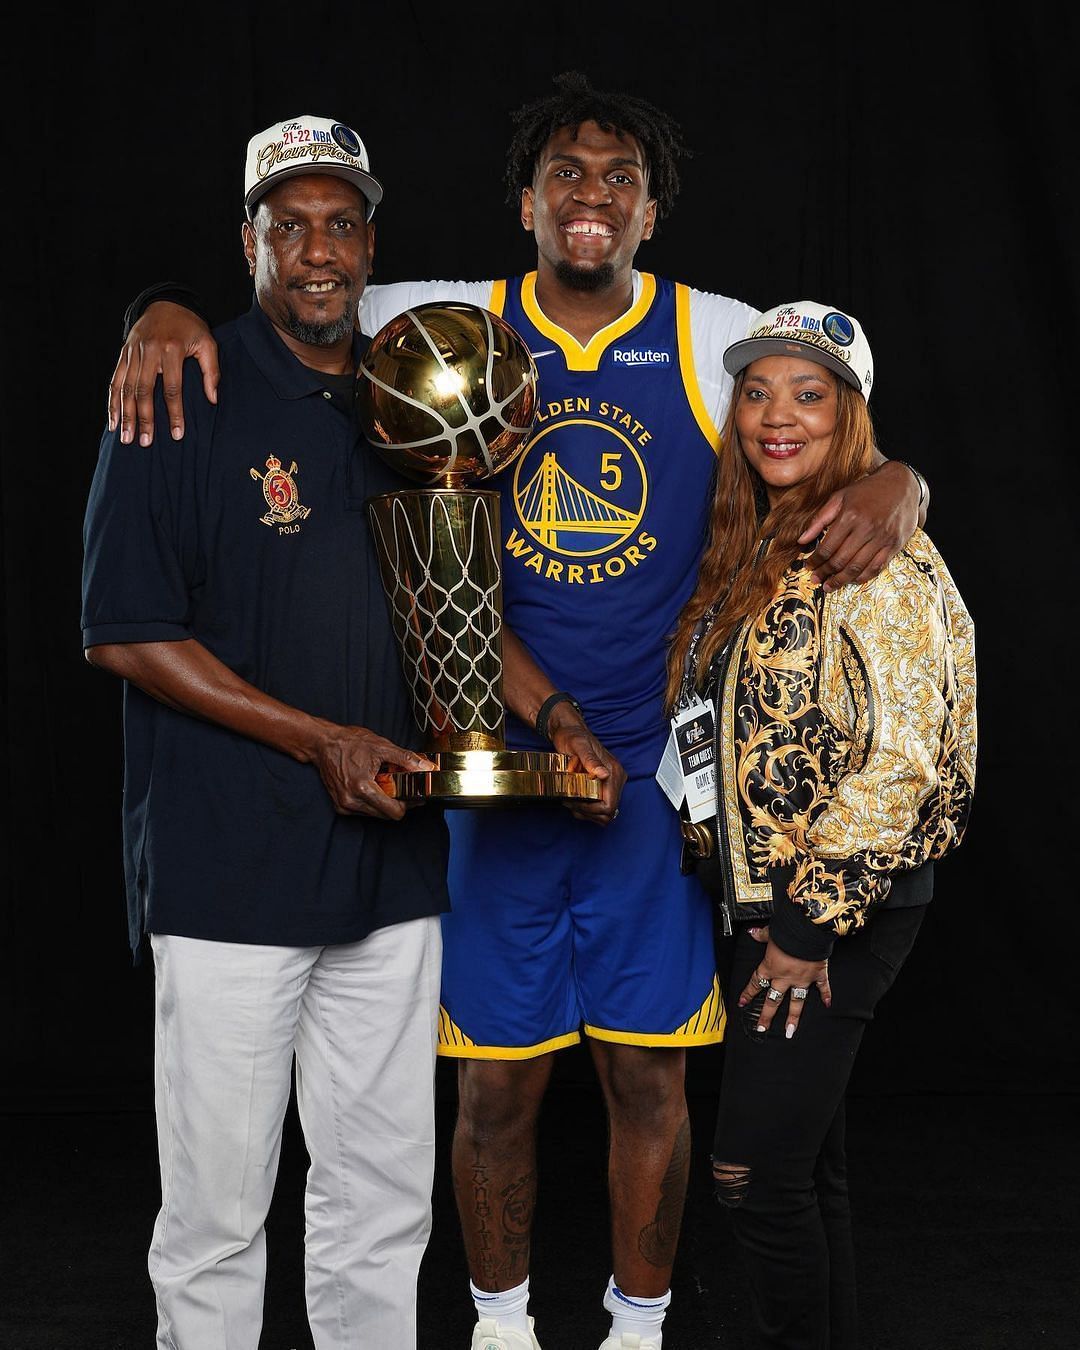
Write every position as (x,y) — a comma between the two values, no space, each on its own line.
(281,493)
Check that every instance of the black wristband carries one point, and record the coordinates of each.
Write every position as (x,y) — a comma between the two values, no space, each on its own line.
(794,932)
(546,707)
(175,291)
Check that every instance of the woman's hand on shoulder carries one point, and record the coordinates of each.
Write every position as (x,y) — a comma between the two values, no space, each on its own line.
(157,346)
(864,525)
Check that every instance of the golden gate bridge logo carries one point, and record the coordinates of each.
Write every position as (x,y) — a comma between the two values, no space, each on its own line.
(566,516)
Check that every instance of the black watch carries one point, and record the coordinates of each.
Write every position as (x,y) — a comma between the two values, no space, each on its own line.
(546,707)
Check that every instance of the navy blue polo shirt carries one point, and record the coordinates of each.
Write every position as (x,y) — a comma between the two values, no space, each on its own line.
(251,536)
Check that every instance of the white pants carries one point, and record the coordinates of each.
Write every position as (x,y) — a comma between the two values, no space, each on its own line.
(360,1020)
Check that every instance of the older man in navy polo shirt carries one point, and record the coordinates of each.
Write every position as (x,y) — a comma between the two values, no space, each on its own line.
(290,904)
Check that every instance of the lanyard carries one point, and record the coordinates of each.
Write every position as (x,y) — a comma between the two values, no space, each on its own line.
(688,688)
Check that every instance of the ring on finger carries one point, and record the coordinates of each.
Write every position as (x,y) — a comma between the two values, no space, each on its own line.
(799,994)
(775,995)
(763,982)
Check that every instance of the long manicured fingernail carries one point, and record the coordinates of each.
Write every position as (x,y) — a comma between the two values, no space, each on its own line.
(177,434)
(789,1030)
(761,1028)
(743,1002)
(144,439)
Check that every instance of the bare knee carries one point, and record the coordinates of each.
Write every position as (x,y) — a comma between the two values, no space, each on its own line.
(500,1098)
(731,1181)
(642,1085)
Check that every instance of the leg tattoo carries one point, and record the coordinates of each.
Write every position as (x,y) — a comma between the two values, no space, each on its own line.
(501,1225)
(658,1240)
(519,1203)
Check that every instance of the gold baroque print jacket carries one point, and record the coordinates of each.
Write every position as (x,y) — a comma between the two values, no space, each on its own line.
(846,745)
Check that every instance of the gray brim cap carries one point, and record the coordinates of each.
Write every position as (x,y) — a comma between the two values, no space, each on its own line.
(817,332)
(306,145)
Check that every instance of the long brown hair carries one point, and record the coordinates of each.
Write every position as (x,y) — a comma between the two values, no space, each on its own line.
(736,574)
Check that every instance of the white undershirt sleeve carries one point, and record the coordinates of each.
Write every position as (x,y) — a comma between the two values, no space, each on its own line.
(715,323)
(380,304)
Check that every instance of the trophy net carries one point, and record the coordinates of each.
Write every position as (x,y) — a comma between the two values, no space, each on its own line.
(438,555)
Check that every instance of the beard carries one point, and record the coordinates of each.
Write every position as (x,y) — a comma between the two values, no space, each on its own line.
(325,334)
(585,278)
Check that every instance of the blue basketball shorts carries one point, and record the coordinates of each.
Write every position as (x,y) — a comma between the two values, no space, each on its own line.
(559,927)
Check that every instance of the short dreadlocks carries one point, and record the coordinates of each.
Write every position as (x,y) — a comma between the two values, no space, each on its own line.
(577,101)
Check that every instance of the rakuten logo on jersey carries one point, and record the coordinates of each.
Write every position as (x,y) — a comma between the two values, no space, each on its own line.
(640,356)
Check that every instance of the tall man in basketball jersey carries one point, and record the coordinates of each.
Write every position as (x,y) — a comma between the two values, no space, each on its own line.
(558,929)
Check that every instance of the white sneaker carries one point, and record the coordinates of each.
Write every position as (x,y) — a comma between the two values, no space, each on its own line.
(629,1340)
(488,1335)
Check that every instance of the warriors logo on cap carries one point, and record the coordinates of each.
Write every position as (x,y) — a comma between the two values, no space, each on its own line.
(805,328)
(839,327)
(347,139)
(307,145)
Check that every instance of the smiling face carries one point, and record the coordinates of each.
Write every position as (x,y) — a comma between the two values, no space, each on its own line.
(589,206)
(310,249)
(786,415)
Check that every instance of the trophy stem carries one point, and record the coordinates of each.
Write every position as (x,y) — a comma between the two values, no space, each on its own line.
(438,551)
(455,742)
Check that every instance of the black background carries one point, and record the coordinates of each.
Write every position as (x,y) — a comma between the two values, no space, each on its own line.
(921,175)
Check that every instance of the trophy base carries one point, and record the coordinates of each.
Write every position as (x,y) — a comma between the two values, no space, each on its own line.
(495,778)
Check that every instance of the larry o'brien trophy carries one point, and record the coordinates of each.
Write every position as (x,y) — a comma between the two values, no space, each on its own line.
(447,395)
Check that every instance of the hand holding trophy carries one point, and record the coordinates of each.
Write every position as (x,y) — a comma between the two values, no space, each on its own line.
(447,395)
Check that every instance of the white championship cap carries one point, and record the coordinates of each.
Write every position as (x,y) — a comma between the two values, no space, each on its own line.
(307,145)
(804,328)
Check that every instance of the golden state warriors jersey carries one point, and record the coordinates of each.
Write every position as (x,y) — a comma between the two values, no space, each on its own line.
(604,512)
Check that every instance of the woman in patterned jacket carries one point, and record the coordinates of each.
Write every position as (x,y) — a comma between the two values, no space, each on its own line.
(845,763)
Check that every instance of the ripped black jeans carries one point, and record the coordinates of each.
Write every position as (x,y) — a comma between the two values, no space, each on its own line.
(779,1158)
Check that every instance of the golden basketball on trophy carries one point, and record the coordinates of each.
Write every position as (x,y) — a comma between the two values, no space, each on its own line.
(447,395)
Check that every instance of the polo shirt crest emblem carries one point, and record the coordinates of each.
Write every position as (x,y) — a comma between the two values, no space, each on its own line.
(281,493)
